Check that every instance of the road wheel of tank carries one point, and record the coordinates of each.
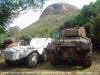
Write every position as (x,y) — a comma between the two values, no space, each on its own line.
(32,59)
(44,56)
(87,62)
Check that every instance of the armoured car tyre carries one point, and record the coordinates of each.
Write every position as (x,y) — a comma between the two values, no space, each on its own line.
(44,56)
(87,62)
(32,59)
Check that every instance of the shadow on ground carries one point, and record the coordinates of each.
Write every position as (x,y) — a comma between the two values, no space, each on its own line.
(42,66)
(48,67)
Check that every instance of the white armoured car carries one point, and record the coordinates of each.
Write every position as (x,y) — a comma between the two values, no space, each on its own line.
(31,54)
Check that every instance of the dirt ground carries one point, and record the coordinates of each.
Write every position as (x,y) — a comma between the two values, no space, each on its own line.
(47,67)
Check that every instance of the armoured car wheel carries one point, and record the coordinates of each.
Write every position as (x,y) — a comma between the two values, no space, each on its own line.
(44,56)
(32,59)
(87,62)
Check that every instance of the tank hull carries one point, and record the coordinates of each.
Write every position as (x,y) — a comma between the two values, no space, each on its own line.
(71,49)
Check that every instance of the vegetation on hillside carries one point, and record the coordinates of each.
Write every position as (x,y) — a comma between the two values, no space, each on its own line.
(59,8)
(44,27)
(49,21)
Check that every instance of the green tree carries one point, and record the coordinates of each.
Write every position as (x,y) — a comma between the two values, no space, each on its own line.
(86,17)
(11,8)
(89,17)
(13,31)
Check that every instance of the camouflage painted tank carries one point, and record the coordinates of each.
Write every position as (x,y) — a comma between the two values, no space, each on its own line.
(72,47)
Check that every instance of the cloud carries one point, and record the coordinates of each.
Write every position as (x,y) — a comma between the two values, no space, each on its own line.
(26,19)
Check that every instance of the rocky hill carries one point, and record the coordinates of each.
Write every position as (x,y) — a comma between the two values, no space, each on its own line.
(52,17)
(59,8)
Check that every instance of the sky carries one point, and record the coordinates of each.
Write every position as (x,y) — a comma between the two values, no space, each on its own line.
(30,16)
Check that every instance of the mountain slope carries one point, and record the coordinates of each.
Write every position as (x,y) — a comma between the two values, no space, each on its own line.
(59,8)
(52,17)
